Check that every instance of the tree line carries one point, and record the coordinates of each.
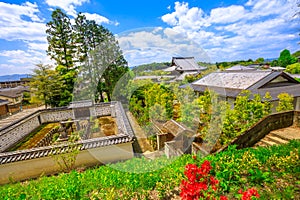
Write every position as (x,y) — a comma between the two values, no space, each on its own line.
(215,120)
(84,53)
(285,59)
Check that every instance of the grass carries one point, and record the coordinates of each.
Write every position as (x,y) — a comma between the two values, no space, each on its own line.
(273,171)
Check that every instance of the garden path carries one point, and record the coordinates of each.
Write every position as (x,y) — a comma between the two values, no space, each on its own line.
(142,144)
(280,136)
(12,118)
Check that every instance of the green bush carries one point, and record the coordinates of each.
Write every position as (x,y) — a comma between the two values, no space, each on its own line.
(273,171)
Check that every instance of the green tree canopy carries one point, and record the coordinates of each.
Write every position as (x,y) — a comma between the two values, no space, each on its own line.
(46,85)
(293,68)
(286,58)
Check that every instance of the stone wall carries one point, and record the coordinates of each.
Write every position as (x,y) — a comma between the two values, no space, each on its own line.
(13,133)
(103,109)
(31,163)
(264,127)
(56,115)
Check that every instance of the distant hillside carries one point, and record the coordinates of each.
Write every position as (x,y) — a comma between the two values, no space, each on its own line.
(13,77)
(151,67)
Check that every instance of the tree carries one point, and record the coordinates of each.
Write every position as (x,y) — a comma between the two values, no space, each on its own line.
(293,68)
(46,85)
(102,69)
(88,36)
(259,60)
(285,102)
(61,48)
(60,39)
(285,58)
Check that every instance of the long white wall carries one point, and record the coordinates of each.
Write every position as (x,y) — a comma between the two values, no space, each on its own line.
(34,168)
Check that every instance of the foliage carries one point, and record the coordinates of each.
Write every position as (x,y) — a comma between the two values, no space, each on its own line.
(201,183)
(46,85)
(224,65)
(150,67)
(60,39)
(297,53)
(140,178)
(247,110)
(191,78)
(259,60)
(285,102)
(293,68)
(84,51)
(286,58)
(152,97)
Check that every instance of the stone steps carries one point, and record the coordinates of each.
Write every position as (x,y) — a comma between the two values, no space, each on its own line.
(280,136)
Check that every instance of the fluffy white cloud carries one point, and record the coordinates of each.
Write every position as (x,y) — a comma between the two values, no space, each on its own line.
(227,14)
(67,5)
(99,19)
(13,26)
(259,28)
(186,18)
(156,45)
(26,58)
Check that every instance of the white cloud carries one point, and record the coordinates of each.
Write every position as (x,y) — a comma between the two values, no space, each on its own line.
(258,28)
(67,5)
(14,27)
(99,19)
(27,58)
(227,15)
(6,69)
(156,45)
(192,18)
(37,46)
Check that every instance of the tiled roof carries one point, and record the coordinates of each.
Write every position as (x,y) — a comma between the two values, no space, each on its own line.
(240,68)
(13,92)
(81,104)
(3,102)
(231,84)
(186,64)
(233,80)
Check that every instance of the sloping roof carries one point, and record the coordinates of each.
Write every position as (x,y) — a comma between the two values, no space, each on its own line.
(230,84)
(184,74)
(170,126)
(3,102)
(81,104)
(13,92)
(186,64)
(293,90)
(233,80)
(170,69)
(240,68)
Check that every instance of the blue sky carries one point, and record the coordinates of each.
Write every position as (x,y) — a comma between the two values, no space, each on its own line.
(154,31)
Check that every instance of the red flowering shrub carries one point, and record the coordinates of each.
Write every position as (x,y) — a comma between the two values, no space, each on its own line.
(248,194)
(201,184)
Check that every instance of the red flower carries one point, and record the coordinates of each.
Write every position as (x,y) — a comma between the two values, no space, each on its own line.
(223,198)
(205,168)
(249,193)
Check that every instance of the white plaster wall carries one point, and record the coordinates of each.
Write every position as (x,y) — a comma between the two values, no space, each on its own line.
(34,168)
